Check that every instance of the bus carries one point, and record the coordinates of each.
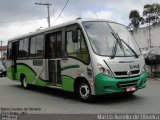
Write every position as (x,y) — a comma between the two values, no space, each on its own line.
(87,57)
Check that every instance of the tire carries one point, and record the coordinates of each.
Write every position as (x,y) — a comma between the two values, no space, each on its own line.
(4,74)
(84,92)
(24,83)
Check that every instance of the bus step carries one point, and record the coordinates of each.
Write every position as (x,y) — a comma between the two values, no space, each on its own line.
(57,87)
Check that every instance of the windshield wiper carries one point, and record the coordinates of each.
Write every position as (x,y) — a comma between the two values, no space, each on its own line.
(114,49)
(127,46)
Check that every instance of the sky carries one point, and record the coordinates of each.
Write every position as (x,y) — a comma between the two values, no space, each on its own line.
(18,17)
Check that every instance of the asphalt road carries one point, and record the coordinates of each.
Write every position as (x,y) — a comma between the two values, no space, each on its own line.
(42,100)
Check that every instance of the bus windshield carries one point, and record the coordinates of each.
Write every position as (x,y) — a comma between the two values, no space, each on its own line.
(109,42)
(125,36)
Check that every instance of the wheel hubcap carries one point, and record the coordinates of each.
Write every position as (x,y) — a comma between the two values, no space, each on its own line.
(24,83)
(84,91)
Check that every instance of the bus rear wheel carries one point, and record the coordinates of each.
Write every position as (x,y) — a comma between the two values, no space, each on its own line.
(24,83)
(84,92)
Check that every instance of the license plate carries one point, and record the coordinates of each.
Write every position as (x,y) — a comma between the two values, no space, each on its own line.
(130,88)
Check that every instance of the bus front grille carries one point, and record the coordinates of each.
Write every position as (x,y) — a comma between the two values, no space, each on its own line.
(124,73)
(128,83)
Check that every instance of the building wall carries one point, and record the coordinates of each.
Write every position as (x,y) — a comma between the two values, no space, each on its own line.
(142,37)
(4,53)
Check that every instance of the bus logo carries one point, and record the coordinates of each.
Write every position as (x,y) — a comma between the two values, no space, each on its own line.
(129,73)
(134,66)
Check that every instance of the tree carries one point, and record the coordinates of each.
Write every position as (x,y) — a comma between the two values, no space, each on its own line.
(151,14)
(135,19)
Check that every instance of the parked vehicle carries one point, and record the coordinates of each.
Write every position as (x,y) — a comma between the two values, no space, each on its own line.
(2,70)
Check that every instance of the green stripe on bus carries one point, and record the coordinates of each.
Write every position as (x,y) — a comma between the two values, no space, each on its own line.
(29,73)
(10,73)
(67,83)
(40,82)
(23,64)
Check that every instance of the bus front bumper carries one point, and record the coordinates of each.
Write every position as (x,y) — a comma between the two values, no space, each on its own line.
(106,85)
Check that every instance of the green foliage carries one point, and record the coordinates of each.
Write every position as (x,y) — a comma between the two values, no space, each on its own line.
(135,19)
(151,14)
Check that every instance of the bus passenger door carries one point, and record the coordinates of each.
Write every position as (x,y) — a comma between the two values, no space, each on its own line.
(54,54)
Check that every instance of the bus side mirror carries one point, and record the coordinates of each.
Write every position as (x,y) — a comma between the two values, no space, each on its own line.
(74,36)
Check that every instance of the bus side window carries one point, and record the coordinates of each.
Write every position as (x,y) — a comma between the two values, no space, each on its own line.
(77,49)
(36,46)
(70,45)
(33,47)
(40,46)
(9,50)
(23,48)
(20,51)
(26,46)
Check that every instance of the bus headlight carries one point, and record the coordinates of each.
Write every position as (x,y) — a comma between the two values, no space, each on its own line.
(143,69)
(104,70)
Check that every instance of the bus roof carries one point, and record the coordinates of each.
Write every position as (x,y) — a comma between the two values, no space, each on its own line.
(79,20)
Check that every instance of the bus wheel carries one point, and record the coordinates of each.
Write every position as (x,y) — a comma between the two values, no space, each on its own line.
(84,92)
(24,83)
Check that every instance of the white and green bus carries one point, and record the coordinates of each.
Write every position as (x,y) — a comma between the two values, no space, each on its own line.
(87,57)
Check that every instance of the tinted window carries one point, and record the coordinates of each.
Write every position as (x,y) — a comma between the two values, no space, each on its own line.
(39,46)
(21,45)
(20,50)
(9,50)
(33,47)
(23,48)
(59,45)
(12,50)
(55,44)
(36,46)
